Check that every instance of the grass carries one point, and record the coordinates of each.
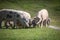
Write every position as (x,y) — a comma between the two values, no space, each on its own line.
(29,34)
(31,6)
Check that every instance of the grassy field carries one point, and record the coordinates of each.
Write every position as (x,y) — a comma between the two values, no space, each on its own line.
(31,6)
(29,34)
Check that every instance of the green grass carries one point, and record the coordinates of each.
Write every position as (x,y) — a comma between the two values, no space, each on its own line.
(31,6)
(29,34)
